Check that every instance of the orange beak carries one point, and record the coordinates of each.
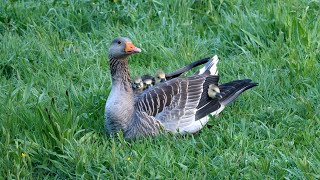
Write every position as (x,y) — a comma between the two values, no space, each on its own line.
(131,48)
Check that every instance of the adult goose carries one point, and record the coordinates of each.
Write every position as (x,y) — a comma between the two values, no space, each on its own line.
(180,105)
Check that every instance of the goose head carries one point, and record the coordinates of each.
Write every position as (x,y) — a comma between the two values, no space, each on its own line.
(147,83)
(138,84)
(160,77)
(214,91)
(122,47)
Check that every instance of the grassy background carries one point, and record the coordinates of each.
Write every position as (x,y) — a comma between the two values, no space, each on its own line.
(54,81)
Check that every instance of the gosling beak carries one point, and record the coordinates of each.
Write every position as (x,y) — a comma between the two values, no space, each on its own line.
(131,48)
(218,95)
(149,85)
(162,80)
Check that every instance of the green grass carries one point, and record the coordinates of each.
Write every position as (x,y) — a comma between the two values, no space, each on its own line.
(54,82)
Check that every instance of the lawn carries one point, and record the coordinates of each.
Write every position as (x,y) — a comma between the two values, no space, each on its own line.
(55,79)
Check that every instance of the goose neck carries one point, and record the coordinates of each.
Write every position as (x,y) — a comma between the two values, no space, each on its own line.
(120,74)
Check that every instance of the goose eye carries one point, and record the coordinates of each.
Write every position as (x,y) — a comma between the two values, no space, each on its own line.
(119,42)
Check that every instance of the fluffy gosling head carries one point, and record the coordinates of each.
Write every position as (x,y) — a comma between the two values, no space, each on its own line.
(147,83)
(214,91)
(138,84)
(160,77)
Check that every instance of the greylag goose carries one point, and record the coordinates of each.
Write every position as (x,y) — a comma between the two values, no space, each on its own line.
(180,105)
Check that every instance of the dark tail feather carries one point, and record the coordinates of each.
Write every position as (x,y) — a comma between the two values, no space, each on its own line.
(178,72)
(233,89)
(229,92)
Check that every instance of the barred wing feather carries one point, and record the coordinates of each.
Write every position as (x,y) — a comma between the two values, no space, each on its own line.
(174,103)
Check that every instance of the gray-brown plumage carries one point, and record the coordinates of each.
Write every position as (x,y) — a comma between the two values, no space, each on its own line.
(180,105)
